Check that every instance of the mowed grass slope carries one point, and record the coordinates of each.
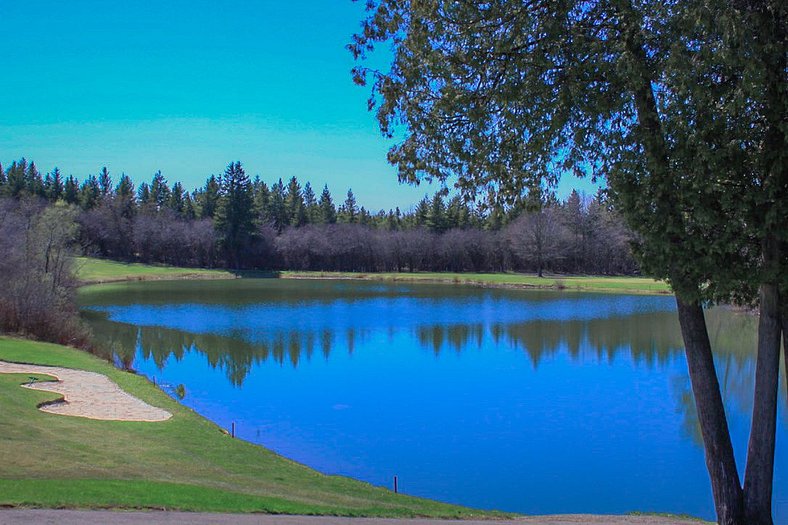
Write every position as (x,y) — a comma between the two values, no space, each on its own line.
(620,284)
(185,463)
(90,270)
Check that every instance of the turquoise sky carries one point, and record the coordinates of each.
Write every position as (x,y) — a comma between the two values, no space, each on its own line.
(188,86)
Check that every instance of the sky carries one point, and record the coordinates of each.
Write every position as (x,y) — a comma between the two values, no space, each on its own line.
(186,87)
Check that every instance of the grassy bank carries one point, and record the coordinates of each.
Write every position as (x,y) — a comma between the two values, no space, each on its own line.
(90,270)
(505,280)
(185,463)
(94,271)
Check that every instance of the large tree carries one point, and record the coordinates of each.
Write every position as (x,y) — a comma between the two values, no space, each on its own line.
(681,105)
(327,211)
(235,217)
(294,202)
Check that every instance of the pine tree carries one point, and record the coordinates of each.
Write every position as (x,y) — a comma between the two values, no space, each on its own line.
(234,219)
(349,209)
(310,204)
(209,198)
(71,190)
(262,200)
(327,211)
(364,218)
(15,178)
(54,186)
(105,182)
(392,221)
(422,212)
(143,194)
(125,187)
(496,218)
(176,199)
(189,213)
(159,191)
(33,181)
(436,217)
(89,193)
(294,202)
(124,194)
(277,209)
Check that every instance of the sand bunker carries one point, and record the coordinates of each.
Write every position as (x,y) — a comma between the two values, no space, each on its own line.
(87,394)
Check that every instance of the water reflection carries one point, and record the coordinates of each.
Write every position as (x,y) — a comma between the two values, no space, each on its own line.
(651,338)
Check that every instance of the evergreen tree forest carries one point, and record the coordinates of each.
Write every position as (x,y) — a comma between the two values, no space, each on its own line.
(235,221)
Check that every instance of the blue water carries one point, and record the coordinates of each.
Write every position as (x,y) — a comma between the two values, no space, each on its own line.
(534,402)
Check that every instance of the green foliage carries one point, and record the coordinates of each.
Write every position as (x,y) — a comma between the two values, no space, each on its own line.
(53,185)
(89,193)
(277,214)
(348,212)
(71,190)
(310,205)
(436,216)
(159,191)
(682,117)
(143,194)
(294,203)
(124,195)
(328,213)
(176,200)
(15,178)
(104,182)
(235,218)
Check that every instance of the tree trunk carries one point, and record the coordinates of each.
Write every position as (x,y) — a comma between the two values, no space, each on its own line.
(785,341)
(760,451)
(725,484)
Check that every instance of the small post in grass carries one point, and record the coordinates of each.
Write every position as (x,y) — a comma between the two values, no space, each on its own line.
(233,429)
(396,488)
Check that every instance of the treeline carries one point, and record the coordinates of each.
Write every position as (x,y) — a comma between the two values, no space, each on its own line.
(237,222)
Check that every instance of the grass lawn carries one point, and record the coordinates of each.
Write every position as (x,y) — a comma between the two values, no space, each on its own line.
(184,463)
(90,270)
(514,280)
(94,271)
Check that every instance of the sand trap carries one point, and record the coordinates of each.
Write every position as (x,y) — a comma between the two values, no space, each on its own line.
(87,394)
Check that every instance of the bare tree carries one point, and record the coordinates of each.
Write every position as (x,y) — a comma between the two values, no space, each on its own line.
(538,239)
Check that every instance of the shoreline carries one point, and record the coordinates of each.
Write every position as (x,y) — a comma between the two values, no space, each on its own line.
(558,284)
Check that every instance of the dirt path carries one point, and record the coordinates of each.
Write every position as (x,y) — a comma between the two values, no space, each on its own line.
(87,394)
(79,517)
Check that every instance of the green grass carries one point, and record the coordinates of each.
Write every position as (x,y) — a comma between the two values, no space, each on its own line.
(505,280)
(94,271)
(184,463)
(90,270)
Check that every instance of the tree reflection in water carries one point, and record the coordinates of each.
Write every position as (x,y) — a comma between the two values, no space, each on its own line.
(651,339)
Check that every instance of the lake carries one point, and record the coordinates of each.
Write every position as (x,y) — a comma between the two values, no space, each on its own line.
(527,401)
